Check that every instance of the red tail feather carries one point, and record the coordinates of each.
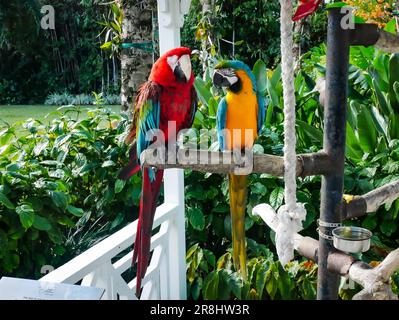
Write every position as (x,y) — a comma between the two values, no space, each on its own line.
(148,203)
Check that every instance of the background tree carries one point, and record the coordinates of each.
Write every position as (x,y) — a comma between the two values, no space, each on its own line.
(137,26)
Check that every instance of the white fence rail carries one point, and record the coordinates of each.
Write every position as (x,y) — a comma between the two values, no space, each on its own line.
(95,268)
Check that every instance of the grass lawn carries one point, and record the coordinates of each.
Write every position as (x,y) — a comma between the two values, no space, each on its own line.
(15,113)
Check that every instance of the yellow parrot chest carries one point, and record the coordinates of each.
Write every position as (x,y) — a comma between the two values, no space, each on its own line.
(241,119)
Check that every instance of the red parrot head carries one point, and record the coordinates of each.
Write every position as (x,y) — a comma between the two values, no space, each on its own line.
(305,8)
(173,68)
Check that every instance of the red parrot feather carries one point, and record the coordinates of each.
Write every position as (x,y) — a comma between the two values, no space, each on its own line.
(306,8)
(168,95)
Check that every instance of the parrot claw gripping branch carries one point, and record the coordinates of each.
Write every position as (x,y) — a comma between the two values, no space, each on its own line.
(329,162)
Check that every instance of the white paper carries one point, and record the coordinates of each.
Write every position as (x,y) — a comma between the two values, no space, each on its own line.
(25,289)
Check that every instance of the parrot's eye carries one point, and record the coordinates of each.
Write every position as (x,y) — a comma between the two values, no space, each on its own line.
(181,67)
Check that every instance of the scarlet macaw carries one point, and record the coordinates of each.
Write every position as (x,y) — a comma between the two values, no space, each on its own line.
(168,95)
(242,108)
(305,8)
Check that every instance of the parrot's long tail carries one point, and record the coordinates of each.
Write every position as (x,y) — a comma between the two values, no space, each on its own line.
(238,202)
(148,203)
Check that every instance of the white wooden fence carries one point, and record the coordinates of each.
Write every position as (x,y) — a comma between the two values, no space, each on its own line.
(166,274)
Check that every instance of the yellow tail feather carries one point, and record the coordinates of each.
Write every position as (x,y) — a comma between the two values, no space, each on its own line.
(238,203)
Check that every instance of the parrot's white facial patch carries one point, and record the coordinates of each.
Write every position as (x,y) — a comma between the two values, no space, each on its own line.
(172,62)
(185,65)
(232,79)
(182,65)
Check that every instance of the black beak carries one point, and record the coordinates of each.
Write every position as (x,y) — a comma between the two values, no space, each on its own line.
(179,74)
(220,80)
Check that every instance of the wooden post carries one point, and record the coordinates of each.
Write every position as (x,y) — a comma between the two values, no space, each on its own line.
(338,42)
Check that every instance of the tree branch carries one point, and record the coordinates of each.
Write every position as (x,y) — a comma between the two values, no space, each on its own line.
(225,162)
(375,281)
(387,42)
(357,206)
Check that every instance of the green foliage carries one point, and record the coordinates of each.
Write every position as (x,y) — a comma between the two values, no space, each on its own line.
(37,62)
(230,31)
(372,161)
(112,28)
(65,98)
(209,279)
(58,188)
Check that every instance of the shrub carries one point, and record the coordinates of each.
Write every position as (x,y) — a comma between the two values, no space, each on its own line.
(59,99)
(82,99)
(58,188)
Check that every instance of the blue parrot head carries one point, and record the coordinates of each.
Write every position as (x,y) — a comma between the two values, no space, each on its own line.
(226,75)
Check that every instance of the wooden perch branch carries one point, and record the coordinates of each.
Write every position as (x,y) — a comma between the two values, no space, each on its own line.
(357,206)
(224,162)
(375,281)
(387,42)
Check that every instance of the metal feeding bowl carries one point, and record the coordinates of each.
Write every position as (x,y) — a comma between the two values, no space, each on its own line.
(352,239)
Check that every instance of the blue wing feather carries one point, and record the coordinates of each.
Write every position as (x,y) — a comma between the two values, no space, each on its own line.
(221,122)
(149,115)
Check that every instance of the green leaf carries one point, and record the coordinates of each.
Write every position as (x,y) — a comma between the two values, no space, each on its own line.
(210,257)
(39,147)
(275,101)
(260,73)
(391,26)
(196,218)
(106,46)
(336,5)
(119,184)
(313,133)
(276,197)
(41,223)
(212,107)
(196,288)
(261,280)
(26,215)
(59,198)
(381,99)
(271,283)
(258,188)
(388,227)
(203,92)
(353,149)
(211,285)
(78,212)
(108,163)
(6,202)
(370,222)
(366,131)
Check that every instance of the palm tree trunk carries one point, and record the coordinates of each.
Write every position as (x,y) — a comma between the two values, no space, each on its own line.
(135,64)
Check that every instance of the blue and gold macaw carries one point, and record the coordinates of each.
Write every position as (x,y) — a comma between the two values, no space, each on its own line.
(243,108)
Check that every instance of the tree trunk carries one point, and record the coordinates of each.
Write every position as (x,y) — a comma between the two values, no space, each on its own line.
(206,7)
(136,64)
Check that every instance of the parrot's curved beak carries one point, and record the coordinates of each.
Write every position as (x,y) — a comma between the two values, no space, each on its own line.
(181,67)
(224,78)
(185,65)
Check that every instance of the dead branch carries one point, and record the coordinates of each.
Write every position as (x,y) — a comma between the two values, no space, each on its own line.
(375,281)
(226,162)
(387,42)
(357,206)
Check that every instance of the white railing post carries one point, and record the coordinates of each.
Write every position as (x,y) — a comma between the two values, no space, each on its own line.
(170,20)
(174,192)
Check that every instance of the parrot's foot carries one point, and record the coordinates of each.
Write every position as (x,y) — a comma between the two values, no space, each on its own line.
(243,162)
